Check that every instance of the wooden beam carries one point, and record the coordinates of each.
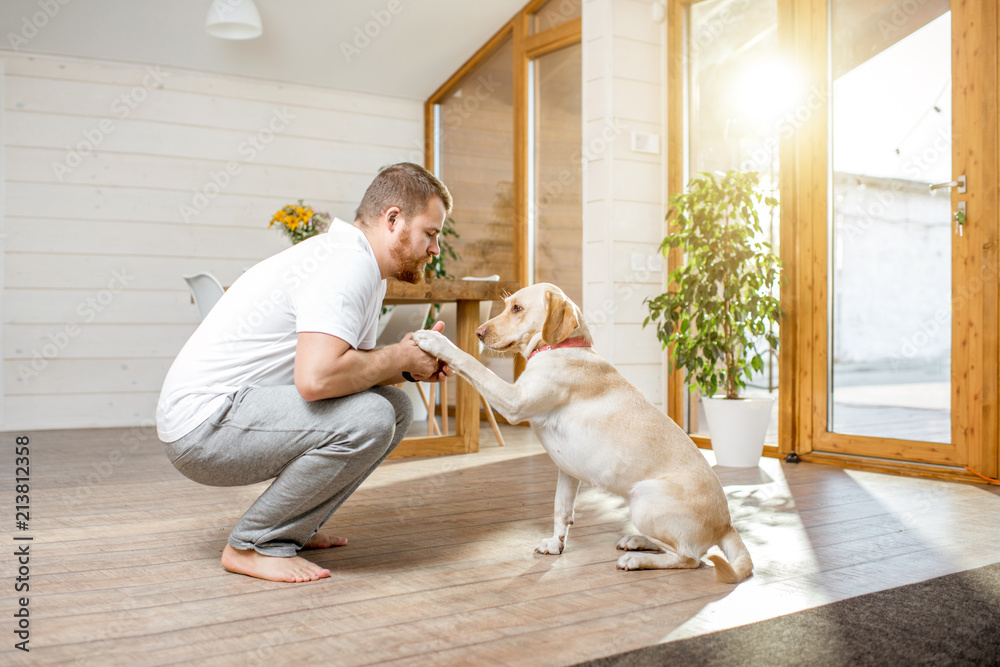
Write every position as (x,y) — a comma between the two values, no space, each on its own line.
(676,392)
(788,359)
(521,150)
(445,290)
(553,39)
(991,259)
(430,446)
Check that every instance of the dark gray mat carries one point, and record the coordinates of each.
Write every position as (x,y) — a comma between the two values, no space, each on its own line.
(951,620)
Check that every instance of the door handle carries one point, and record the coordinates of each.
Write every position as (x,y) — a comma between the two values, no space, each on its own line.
(960,184)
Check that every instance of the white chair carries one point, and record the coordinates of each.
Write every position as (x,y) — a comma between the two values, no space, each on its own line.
(206,290)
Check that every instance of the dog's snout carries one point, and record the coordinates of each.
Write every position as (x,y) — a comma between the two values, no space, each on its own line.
(481,331)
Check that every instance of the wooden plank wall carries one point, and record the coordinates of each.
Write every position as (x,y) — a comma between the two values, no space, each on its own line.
(117,185)
(624,91)
(558,171)
(477,165)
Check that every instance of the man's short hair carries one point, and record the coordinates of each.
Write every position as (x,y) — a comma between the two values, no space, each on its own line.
(406,185)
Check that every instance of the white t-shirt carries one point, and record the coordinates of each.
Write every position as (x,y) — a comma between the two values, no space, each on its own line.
(329,283)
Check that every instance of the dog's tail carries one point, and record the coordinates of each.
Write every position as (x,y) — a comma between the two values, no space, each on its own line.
(739,566)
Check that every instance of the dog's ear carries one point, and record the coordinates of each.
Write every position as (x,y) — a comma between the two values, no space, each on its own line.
(560,319)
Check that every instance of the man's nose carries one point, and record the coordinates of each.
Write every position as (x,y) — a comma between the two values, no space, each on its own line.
(434,248)
(482,331)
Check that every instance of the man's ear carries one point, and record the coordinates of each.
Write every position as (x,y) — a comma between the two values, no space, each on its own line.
(392,217)
(560,319)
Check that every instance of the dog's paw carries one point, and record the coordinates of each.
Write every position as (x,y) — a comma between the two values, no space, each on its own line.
(637,543)
(434,343)
(550,545)
(633,561)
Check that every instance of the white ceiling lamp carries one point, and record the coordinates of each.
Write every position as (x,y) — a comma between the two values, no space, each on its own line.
(233,19)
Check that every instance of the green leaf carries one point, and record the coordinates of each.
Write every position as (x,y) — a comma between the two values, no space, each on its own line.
(721,305)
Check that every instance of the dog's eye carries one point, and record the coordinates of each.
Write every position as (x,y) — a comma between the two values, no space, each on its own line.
(516,308)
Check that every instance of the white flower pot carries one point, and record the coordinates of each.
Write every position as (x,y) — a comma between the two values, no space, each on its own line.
(737,428)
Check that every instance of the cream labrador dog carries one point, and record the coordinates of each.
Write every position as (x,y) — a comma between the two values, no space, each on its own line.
(601,430)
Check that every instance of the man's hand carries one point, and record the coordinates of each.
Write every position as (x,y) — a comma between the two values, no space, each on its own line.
(436,370)
(327,367)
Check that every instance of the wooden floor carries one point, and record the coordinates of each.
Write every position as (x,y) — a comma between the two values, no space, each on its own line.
(440,570)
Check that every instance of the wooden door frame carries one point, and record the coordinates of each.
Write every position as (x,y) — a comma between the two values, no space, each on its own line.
(802,27)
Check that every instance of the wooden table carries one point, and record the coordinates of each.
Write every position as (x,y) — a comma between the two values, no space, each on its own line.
(466,295)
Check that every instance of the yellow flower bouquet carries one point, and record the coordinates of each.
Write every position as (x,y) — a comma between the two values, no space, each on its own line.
(300,222)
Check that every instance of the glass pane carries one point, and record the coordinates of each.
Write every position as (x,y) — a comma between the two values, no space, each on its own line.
(475,159)
(556,216)
(739,94)
(890,235)
(554,12)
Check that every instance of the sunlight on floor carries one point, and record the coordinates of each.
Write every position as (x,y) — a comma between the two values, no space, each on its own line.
(764,510)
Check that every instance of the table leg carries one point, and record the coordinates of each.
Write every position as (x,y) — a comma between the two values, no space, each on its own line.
(466,398)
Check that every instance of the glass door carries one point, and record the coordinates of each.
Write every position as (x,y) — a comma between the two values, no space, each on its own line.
(890,267)
(908,165)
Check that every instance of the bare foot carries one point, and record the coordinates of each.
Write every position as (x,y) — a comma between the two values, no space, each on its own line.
(292,569)
(324,541)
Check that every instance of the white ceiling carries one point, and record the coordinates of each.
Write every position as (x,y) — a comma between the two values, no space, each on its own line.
(417,49)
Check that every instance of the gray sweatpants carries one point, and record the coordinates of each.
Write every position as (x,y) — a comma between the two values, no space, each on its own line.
(317,452)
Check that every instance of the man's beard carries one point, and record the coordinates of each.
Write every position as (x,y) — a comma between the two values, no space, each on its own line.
(411,269)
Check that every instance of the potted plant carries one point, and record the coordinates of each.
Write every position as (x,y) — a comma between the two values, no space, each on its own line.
(720,314)
(448,235)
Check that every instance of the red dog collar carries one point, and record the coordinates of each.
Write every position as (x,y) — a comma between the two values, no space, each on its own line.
(569,342)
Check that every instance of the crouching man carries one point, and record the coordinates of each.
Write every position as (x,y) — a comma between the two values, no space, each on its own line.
(282,381)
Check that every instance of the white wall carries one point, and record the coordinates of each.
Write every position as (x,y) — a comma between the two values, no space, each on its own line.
(891,274)
(116,185)
(624,91)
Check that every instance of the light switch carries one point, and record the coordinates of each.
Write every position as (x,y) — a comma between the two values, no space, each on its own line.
(646,142)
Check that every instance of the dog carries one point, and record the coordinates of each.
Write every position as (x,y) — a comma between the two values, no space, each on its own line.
(600,430)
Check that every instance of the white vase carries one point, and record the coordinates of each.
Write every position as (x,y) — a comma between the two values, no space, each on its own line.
(737,428)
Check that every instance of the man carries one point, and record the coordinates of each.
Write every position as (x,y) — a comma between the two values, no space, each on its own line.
(282,381)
